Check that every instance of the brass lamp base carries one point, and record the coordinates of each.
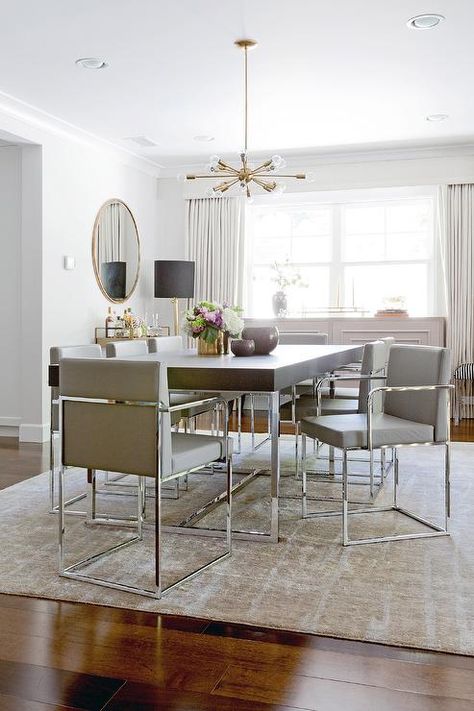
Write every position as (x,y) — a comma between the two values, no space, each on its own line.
(175,302)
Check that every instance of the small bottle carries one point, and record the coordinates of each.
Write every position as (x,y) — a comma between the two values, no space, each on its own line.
(109,322)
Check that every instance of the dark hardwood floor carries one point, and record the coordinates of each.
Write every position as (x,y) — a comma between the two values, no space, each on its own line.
(57,655)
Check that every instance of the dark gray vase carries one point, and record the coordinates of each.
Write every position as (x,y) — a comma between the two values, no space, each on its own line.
(265,337)
(242,347)
(280,303)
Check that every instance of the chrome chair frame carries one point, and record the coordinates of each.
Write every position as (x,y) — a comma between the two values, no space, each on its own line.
(436,529)
(73,570)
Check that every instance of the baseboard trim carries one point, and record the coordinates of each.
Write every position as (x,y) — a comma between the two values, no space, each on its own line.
(34,433)
(8,431)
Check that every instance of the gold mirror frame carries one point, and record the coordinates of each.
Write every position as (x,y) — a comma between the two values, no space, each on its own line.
(114,201)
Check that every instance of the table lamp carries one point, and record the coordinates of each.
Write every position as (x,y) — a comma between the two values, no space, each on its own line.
(174,279)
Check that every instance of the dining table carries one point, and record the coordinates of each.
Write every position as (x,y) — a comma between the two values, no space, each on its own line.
(270,374)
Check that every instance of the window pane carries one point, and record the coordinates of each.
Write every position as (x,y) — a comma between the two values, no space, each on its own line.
(272,223)
(314,296)
(300,299)
(312,222)
(408,245)
(409,216)
(377,287)
(363,219)
(267,250)
(311,249)
(364,248)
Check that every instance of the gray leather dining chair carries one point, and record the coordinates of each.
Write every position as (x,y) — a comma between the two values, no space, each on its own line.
(164,344)
(130,399)
(349,392)
(56,354)
(414,411)
(127,347)
(373,363)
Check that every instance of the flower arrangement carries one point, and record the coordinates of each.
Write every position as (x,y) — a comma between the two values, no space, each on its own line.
(208,321)
(287,275)
(134,324)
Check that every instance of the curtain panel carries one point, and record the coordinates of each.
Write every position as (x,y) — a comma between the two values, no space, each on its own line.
(456,217)
(215,241)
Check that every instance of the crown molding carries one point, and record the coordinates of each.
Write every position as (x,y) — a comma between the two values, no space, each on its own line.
(309,159)
(29,123)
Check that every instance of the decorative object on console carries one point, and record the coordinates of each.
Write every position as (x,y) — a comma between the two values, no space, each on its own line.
(174,279)
(393,306)
(242,346)
(265,337)
(116,251)
(134,325)
(286,275)
(245,173)
(212,324)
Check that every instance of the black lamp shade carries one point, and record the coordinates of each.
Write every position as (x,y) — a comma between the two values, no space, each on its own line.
(114,279)
(174,279)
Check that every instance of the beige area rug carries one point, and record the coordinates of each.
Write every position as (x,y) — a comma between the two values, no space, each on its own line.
(416,593)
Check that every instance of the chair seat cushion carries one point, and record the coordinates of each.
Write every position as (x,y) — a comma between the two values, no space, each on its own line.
(195,450)
(342,393)
(306,388)
(350,431)
(305,406)
(179,398)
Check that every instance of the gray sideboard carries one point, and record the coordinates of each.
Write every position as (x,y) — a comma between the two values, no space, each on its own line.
(428,331)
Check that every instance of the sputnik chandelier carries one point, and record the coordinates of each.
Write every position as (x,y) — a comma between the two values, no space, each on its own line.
(245,174)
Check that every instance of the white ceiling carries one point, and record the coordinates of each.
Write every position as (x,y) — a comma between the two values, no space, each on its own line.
(325,75)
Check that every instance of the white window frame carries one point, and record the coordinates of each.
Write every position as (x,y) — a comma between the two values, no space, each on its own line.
(338,200)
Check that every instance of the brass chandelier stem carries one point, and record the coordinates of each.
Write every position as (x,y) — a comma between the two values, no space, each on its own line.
(246,98)
(262,175)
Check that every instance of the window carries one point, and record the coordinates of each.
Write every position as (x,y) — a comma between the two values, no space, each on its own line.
(343,254)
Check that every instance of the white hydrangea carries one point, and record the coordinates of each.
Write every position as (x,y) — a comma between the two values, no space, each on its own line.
(232,322)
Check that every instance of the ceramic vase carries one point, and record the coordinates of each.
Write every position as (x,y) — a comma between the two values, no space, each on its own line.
(242,347)
(280,303)
(265,337)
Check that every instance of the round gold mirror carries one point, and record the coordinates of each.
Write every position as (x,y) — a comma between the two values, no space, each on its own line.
(116,251)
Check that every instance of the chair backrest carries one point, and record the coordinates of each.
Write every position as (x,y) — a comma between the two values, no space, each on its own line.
(420,365)
(122,349)
(56,354)
(91,350)
(165,344)
(119,433)
(302,338)
(373,363)
(389,341)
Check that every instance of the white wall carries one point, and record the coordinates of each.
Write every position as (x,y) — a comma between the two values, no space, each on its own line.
(10,310)
(65,181)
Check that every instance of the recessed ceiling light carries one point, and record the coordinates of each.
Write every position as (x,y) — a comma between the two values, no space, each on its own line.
(437,117)
(426,21)
(204,139)
(91,63)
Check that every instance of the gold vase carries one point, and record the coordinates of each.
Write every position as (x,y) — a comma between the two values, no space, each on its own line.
(214,348)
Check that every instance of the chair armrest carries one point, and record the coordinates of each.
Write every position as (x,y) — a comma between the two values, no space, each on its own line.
(193,403)
(395,389)
(339,378)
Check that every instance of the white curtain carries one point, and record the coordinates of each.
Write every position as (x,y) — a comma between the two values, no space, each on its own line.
(215,241)
(456,217)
